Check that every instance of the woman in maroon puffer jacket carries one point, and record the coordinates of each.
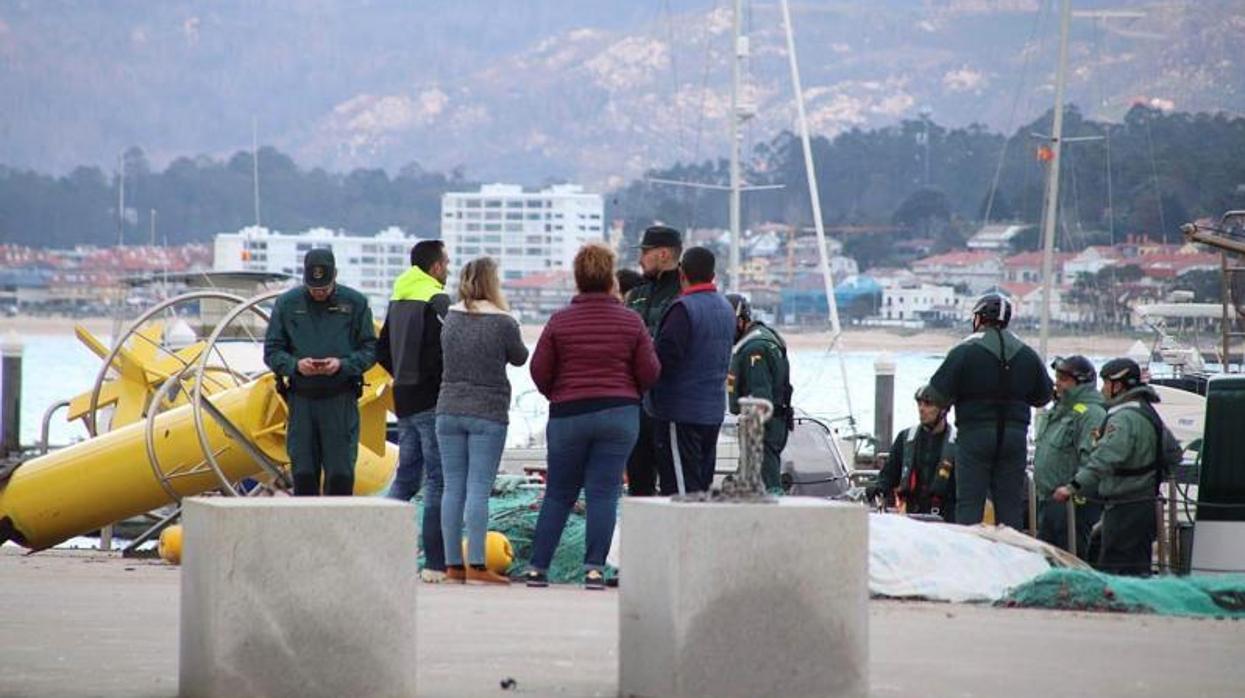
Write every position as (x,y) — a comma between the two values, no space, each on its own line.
(594,361)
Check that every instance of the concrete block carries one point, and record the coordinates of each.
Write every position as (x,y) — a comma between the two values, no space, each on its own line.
(298,597)
(740,600)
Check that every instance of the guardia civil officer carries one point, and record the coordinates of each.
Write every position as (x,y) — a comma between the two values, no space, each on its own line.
(660,248)
(759,368)
(992,379)
(1121,470)
(320,341)
(920,469)
(1065,436)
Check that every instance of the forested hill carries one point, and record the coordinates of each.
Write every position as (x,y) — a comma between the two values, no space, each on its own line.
(1164,169)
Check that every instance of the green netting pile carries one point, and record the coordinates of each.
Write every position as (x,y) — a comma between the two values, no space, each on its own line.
(513,510)
(1086,590)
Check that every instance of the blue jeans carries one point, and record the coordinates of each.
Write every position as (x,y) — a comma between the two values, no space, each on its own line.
(587,451)
(470,455)
(419,456)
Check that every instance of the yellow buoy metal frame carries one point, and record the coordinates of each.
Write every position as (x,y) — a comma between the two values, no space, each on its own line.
(166,450)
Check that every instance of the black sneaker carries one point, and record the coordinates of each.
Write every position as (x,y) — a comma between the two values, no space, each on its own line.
(594,580)
(536,579)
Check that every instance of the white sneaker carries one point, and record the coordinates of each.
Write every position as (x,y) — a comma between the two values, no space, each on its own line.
(432,576)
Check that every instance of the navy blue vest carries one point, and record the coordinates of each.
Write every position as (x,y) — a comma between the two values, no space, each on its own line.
(696,392)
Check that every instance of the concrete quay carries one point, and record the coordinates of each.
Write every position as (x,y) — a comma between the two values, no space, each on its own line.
(89,624)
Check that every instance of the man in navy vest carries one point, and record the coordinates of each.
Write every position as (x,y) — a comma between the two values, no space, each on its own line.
(694,341)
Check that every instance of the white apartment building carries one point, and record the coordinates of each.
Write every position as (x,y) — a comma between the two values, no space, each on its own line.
(367,264)
(919,301)
(526,232)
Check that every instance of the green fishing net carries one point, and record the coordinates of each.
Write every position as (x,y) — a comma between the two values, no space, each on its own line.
(1086,590)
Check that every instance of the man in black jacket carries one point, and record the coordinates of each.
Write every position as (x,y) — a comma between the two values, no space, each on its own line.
(993,379)
(660,248)
(409,348)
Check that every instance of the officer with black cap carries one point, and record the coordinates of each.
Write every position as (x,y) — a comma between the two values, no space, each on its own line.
(660,249)
(992,379)
(1065,437)
(1122,470)
(320,341)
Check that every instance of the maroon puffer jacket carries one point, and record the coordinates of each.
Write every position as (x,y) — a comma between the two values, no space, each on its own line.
(594,348)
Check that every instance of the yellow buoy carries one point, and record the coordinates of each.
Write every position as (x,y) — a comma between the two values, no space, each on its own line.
(170,546)
(498,555)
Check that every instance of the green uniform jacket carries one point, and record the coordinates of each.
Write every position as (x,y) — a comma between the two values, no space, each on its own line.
(972,379)
(759,368)
(651,298)
(1065,436)
(341,327)
(1127,441)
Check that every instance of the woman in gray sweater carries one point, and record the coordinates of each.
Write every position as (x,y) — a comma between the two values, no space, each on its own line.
(478,339)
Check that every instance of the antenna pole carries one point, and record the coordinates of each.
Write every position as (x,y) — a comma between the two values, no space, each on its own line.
(1052,188)
(739,51)
(255,164)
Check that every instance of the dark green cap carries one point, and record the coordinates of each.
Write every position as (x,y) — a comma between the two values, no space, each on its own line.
(319,268)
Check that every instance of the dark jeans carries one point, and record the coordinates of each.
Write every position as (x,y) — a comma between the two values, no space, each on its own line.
(587,451)
(642,464)
(322,436)
(419,457)
(697,451)
(1128,532)
(1053,524)
(984,466)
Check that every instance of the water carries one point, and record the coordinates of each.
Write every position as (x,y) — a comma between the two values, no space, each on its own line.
(58,367)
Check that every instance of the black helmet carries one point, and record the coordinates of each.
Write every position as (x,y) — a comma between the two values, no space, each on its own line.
(741,306)
(1076,366)
(926,393)
(995,307)
(1123,370)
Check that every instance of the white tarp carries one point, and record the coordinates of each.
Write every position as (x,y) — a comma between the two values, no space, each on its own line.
(915,559)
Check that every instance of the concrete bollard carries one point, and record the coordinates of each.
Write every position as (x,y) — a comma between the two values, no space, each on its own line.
(884,400)
(11,397)
(742,600)
(287,596)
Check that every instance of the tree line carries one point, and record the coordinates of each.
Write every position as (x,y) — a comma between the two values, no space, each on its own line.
(1143,176)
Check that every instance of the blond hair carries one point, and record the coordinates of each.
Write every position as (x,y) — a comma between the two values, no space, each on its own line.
(594,268)
(479,281)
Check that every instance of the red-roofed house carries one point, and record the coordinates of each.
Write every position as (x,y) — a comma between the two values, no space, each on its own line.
(1026,267)
(537,296)
(977,270)
(1027,298)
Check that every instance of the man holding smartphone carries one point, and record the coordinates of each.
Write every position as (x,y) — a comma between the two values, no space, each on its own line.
(321,340)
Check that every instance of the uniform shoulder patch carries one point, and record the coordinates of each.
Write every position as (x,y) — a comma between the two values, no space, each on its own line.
(1080,408)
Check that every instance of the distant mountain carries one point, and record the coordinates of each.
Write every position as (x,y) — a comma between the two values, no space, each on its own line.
(590,90)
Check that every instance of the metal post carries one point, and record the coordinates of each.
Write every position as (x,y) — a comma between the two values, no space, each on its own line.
(1173,529)
(738,52)
(1052,187)
(1072,537)
(883,399)
(1164,553)
(11,401)
(1033,524)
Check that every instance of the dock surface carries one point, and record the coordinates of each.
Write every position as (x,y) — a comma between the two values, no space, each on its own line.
(89,624)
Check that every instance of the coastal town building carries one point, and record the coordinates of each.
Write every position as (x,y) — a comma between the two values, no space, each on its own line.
(369,264)
(976,270)
(527,232)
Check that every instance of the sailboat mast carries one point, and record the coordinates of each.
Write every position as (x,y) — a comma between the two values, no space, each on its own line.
(810,174)
(739,48)
(1052,187)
